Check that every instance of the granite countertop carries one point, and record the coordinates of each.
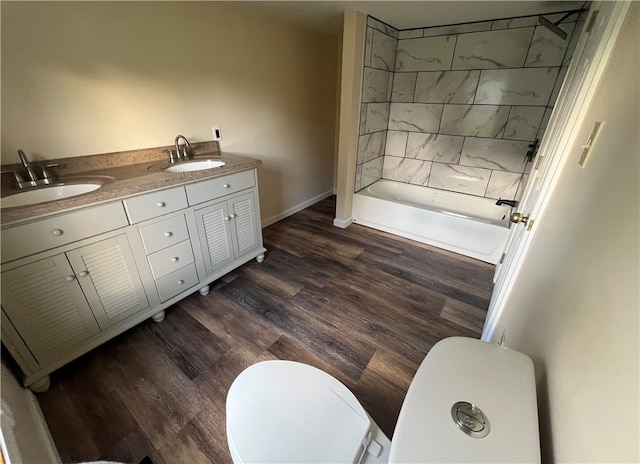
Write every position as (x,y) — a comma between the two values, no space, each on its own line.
(124,174)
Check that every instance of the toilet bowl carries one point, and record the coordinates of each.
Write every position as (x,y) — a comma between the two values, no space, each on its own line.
(470,401)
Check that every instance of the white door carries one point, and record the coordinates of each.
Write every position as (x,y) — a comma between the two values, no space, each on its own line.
(598,36)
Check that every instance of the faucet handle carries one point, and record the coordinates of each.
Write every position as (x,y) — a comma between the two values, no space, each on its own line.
(17,177)
(47,176)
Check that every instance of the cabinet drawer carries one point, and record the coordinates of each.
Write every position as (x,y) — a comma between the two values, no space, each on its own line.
(171,259)
(52,232)
(155,204)
(163,234)
(177,282)
(220,186)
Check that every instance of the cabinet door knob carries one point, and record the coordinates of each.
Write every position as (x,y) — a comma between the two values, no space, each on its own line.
(83,273)
(226,186)
(168,234)
(57,232)
(180,282)
(226,218)
(70,278)
(174,259)
(232,216)
(161,204)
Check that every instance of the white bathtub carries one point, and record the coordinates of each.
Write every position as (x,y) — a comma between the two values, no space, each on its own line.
(471,226)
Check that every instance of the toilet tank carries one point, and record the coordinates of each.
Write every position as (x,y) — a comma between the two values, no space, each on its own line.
(470,401)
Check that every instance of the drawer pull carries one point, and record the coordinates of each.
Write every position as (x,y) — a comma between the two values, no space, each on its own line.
(57,232)
(226,186)
(175,259)
(180,282)
(161,204)
(70,278)
(168,234)
(84,273)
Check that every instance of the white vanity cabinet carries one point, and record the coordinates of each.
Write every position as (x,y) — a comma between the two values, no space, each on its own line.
(227,216)
(51,232)
(45,304)
(66,280)
(59,302)
(109,279)
(189,248)
(72,281)
(228,230)
(167,249)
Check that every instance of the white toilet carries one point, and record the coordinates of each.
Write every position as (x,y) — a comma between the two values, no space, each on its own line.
(469,401)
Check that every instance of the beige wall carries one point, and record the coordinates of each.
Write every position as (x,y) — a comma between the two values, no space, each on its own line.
(81,78)
(575,306)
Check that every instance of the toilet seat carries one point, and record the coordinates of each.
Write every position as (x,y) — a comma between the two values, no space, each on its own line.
(284,411)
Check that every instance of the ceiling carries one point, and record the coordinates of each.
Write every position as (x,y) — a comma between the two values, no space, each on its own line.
(326,16)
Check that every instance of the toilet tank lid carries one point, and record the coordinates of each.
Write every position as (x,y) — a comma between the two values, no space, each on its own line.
(497,380)
(284,411)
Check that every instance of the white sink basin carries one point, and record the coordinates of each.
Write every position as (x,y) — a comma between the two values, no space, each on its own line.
(44,194)
(188,166)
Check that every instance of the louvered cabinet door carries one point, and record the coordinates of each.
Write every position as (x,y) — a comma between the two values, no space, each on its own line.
(109,278)
(214,229)
(47,307)
(244,224)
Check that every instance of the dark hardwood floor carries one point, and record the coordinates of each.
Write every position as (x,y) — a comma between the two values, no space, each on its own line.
(362,305)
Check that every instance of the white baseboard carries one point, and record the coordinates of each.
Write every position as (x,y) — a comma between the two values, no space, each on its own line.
(343,224)
(305,204)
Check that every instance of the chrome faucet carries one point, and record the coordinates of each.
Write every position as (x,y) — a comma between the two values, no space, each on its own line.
(185,154)
(30,178)
(28,167)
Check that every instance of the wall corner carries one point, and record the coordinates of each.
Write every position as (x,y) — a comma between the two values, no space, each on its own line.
(353,38)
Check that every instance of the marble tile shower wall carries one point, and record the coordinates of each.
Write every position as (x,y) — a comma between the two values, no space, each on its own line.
(456,107)
(377,80)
